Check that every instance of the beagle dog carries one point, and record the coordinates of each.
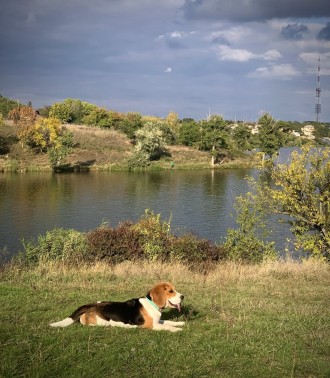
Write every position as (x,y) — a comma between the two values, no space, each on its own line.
(142,312)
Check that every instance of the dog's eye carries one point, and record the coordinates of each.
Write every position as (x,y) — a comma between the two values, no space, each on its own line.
(171,291)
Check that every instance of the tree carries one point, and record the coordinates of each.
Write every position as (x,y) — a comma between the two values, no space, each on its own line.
(6,105)
(271,138)
(190,133)
(131,123)
(57,154)
(242,137)
(45,134)
(172,121)
(214,133)
(98,117)
(23,118)
(60,111)
(150,145)
(71,110)
(151,140)
(301,194)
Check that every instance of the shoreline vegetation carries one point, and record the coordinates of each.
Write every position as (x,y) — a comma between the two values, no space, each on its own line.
(99,149)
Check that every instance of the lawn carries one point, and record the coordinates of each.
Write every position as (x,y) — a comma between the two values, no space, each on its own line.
(270,320)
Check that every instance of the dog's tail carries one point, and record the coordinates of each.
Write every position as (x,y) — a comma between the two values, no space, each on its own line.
(74,317)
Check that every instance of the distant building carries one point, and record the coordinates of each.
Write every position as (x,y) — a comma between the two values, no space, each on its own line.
(308,131)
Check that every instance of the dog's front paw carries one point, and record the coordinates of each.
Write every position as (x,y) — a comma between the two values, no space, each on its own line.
(175,329)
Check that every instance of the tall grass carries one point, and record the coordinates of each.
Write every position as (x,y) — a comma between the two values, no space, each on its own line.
(267,320)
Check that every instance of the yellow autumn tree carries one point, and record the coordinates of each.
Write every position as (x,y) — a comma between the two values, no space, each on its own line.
(301,194)
(172,121)
(46,133)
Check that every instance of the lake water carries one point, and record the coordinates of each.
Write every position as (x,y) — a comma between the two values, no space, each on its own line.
(198,201)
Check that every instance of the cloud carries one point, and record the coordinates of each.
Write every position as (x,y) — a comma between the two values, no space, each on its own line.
(281,71)
(294,31)
(254,10)
(225,53)
(229,35)
(325,33)
(168,70)
(175,39)
(311,60)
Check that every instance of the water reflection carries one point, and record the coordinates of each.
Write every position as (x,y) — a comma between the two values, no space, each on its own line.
(197,201)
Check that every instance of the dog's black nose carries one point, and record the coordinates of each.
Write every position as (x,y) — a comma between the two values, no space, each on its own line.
(181,297)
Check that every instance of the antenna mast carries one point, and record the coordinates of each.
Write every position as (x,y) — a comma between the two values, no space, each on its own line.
(318,92)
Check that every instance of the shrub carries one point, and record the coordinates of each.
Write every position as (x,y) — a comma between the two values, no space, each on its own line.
(55,245)
(246,242)
(113,245)
(155,236)
(199,254)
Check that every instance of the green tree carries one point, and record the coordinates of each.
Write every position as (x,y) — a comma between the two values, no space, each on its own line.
(190,133)
(271,137)
(98,117)
(242,137)
(71,110)
(214,133)
(131,123)
(6,105)
(57,154)
(60,111)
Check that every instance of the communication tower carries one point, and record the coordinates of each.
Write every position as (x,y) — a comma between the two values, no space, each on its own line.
(318,92)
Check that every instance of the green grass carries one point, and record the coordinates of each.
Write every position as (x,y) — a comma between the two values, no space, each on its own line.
(270,320)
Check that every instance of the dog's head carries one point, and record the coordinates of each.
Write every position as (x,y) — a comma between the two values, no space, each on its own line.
(164,295)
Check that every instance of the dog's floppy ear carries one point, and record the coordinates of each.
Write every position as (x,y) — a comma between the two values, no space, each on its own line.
(157,294)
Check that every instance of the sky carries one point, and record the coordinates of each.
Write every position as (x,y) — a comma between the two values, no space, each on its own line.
(236,58)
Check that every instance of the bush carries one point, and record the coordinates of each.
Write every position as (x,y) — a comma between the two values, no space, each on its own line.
(113,245)
(56,245)
(155,236)
(199,254)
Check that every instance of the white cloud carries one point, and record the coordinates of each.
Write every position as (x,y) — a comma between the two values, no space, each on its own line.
(176,34)
(168,70)
(232,35)
(272,55)
(281,71)
(225,53)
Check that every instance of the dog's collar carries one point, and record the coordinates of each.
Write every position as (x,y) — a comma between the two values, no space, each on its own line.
(148,298)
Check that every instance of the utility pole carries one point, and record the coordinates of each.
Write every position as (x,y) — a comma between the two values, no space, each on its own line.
(318,92)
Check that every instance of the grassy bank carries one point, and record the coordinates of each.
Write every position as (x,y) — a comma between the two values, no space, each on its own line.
(268,320)
(102,149)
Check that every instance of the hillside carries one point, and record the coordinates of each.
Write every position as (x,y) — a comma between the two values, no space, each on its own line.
(97,148)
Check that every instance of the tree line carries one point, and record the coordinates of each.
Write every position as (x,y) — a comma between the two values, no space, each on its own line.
(41,130)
